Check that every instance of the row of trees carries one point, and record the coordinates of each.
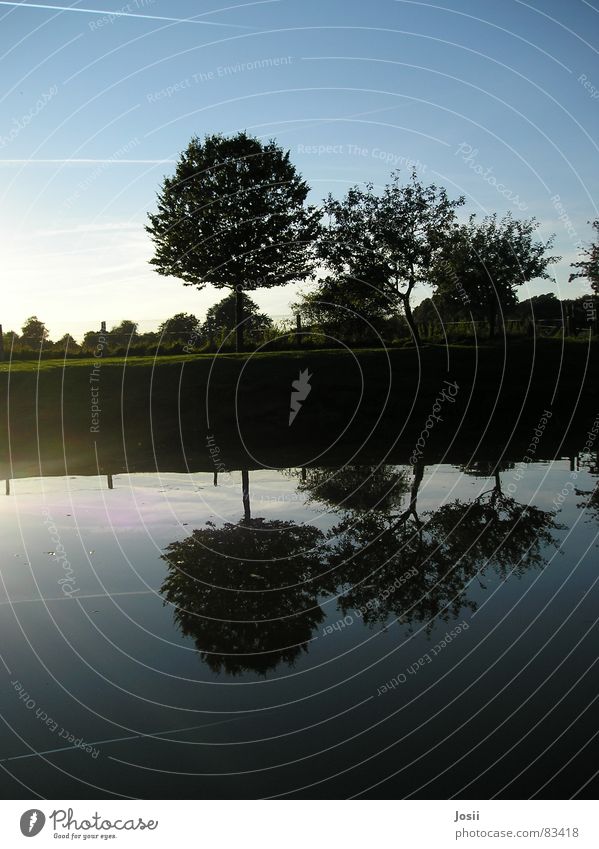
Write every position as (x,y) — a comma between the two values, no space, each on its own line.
(180,331)
(235,215)
(184,332)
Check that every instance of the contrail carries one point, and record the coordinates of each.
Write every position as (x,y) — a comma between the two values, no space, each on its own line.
(88,161)
(106,13)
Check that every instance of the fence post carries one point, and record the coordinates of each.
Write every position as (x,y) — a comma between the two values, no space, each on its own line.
(1,344)
(298,330)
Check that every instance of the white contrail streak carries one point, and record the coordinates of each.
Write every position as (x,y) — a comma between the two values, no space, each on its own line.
(88,161)
(107,13)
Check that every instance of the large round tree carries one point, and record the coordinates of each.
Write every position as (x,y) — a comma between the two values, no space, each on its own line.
(234,215)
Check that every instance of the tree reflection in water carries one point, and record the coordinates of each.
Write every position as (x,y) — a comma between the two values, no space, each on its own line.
(590,502)
(248,592)
(401,565)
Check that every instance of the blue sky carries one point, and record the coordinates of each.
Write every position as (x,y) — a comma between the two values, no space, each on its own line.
(496,100)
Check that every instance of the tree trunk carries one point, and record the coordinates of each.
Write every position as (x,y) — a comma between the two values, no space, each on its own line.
(245,494)
(412,508)
(238,318)
(411,323)
(418,475)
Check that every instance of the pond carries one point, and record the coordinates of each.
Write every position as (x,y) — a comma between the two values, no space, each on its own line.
(388,630)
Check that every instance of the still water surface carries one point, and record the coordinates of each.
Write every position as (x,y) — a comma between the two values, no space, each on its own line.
(396,631)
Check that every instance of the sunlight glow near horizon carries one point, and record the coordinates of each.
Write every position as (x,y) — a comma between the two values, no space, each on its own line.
(97,108)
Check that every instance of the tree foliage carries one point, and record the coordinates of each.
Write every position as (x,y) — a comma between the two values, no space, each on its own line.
(346,308)
(483,263)
(390,240)
(247,593)
(234,215)
(180,327)
(34,331)
(221,318)
(588,267)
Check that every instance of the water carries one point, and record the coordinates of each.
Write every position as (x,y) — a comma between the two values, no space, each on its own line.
(392,630)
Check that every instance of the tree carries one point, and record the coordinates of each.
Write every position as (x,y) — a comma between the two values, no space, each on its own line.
(247,593)
(34,331)
(546,306)
(346,308)
(389,241)
(67,344)
(483,263)
(10,338)
(222,317)
(122,334)
(181,327)
(356,488)
(589,267)
(234,215)
(439,309)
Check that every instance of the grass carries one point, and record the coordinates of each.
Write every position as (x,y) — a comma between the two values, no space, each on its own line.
(157,412)
(34,364)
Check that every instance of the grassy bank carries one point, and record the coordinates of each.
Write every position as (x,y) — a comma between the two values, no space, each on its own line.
(158,413)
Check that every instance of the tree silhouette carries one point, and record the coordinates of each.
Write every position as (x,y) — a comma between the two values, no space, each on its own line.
(346,308)
(123,334)
(234,215)
(590,502)
(180,328)
(355,487)
(221,319)
(397,563)
(247,593)
(483,263)
(388,241)
(67,344)
(34,331)
(588,267)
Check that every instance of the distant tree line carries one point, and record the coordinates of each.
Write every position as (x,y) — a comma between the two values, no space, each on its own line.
(183,333)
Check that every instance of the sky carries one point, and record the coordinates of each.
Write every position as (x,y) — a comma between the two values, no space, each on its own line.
(498,101)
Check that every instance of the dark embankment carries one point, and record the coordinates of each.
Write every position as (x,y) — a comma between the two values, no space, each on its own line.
(370,405)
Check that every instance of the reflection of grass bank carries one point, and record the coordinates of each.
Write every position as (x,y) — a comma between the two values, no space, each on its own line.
(166,407)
